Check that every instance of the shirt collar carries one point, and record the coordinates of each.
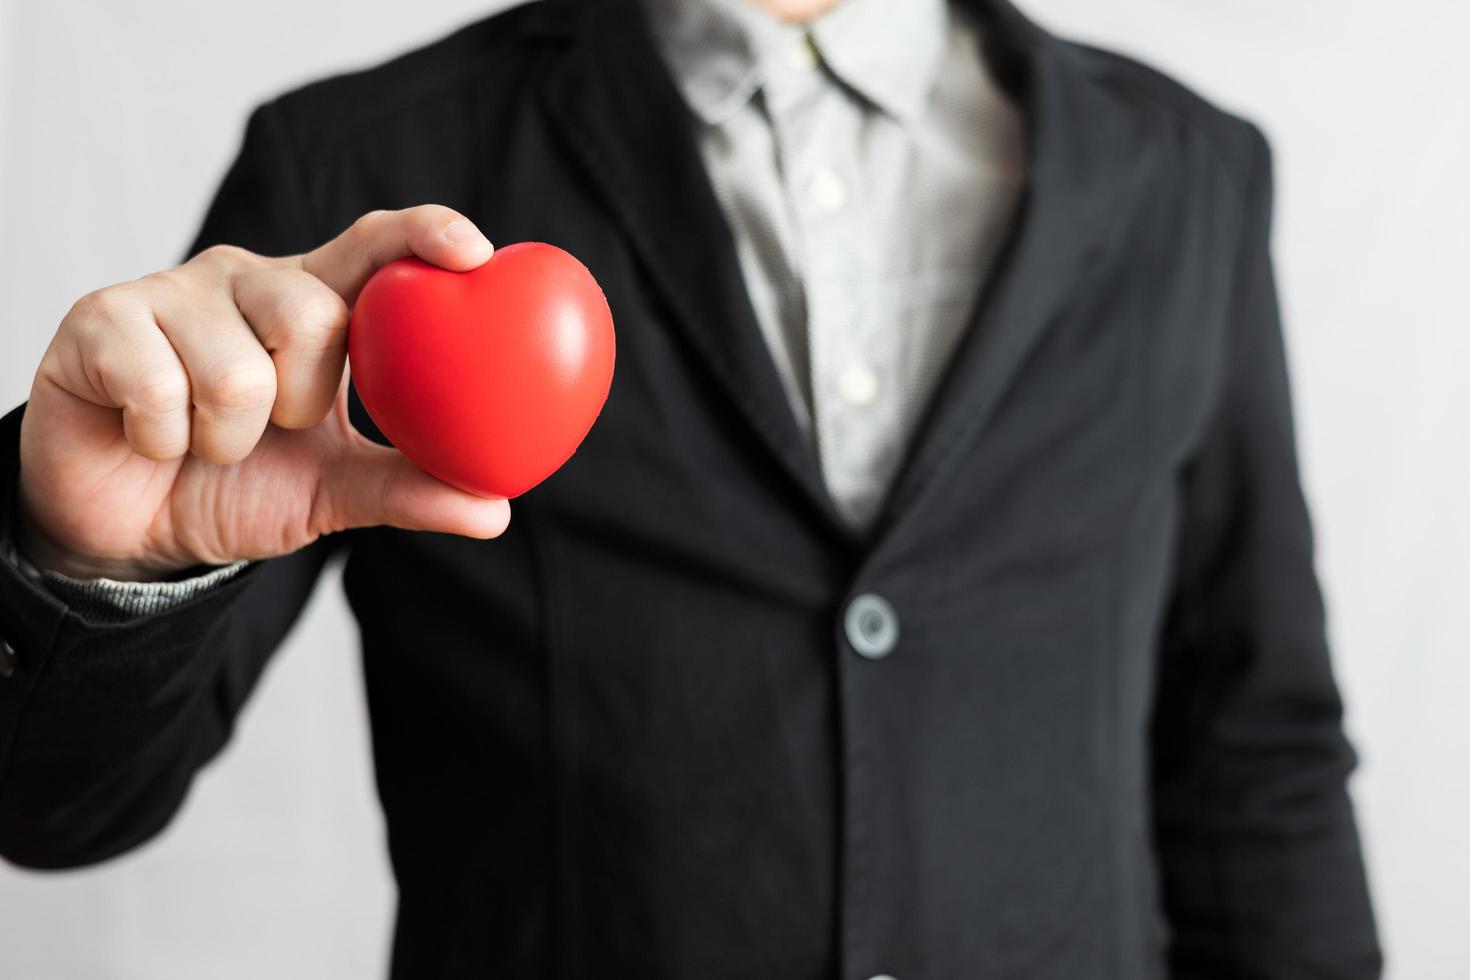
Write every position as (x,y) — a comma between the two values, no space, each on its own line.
(720,52)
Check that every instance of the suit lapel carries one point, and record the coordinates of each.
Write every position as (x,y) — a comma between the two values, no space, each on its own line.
(620,114)
(1076,165)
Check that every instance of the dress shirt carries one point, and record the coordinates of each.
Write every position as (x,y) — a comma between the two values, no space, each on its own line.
(869,168)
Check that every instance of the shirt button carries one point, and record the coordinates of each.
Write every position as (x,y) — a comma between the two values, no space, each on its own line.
(802,54)
(7,659)
(828,191)
(858,385)
(871,626)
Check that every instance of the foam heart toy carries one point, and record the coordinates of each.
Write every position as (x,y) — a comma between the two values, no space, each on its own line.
(487,379)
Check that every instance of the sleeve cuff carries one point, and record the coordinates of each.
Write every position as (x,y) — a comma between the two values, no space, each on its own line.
(105,600)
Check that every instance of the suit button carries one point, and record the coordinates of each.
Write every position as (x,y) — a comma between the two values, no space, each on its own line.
(871,626)
(7,659)
(882,976)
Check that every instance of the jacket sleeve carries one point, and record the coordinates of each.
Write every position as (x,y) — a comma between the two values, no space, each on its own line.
(1261,866)
(103,724)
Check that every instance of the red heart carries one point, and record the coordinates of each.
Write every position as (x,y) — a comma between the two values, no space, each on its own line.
(487,379)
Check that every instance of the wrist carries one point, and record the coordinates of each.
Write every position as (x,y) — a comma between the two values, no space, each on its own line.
(47,555)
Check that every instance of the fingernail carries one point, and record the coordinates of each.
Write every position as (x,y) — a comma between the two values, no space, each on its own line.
(463,233)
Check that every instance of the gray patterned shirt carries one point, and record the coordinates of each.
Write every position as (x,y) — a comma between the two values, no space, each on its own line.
(869,168)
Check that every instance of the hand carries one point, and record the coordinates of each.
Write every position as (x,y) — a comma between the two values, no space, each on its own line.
(199,415)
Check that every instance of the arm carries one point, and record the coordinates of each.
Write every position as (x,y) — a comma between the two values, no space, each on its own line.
(1262,870)
(105,719)
(143,453)
(103,726)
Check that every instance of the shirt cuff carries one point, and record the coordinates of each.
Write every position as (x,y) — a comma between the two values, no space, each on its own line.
(105,600)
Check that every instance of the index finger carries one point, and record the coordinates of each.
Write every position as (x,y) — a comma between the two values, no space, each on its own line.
(434,233)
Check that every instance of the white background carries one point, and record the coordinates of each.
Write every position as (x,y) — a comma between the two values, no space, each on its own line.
(117,120)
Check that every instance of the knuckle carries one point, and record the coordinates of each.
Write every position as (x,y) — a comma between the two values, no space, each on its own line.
(174,278)
(110,303)
(240,387)
(372,222)
(217,252)
(161,393)
(316,319)
(295,311)
(189,286)
(427,218)
(220,261)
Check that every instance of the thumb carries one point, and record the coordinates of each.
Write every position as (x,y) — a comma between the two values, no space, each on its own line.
(432,232)
(369,485)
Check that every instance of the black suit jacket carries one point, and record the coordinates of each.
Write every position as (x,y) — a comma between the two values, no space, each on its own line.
(631,739)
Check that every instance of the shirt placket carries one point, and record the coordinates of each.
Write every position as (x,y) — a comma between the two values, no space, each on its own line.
(817,123)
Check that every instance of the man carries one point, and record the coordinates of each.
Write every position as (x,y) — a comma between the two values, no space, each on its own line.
(933,598)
